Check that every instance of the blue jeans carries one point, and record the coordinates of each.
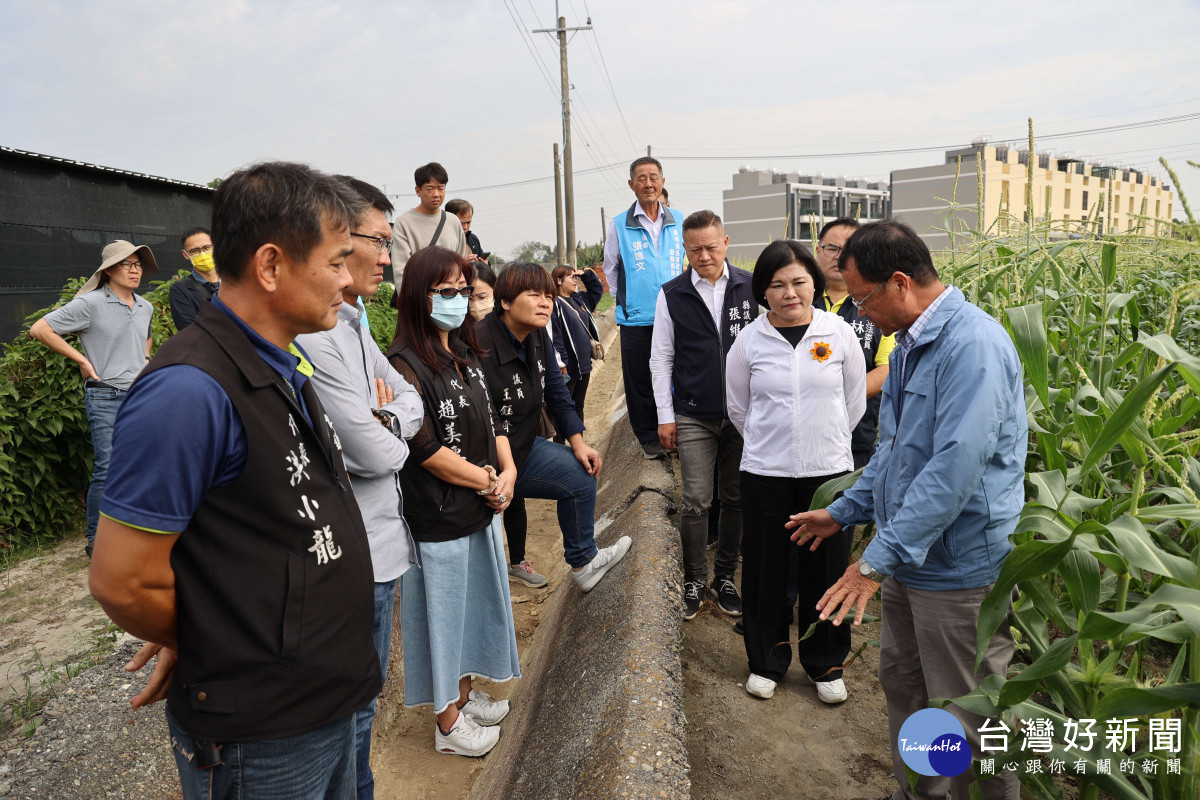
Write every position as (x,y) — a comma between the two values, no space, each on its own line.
(381,635)
(101,406)
(318,765)
(553,473)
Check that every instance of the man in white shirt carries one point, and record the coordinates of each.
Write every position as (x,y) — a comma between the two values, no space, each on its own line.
(697,317)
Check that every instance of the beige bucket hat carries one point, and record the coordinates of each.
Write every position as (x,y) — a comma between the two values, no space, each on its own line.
(113,253)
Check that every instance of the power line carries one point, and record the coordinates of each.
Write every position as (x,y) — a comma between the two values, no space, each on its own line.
(1129,126)
(608,79)
(537,62)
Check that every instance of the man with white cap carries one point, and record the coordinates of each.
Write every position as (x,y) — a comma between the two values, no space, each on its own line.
(113,325)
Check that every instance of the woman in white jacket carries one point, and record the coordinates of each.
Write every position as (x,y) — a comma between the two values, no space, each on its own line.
(795,388)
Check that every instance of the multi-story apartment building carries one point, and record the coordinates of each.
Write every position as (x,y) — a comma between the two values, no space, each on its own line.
(1132,200)
(765,206)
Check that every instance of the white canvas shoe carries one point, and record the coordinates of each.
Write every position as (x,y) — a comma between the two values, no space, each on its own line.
(605,559)
(466,738)
(759,686)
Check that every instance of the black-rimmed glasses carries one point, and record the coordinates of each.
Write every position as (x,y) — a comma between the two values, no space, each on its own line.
(449,292)
(130,266)
(195,251)
(381,242)
(832,249)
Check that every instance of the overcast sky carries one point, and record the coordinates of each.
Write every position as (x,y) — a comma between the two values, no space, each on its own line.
(193,90)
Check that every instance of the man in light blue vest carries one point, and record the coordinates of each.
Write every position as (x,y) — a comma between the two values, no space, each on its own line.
(643,250)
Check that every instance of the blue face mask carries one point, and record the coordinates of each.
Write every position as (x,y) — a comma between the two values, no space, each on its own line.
(449,314)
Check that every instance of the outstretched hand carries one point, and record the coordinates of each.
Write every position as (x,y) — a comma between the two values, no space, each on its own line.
(852,590)
(816,526)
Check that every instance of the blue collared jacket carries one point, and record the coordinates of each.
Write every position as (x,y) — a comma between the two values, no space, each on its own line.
(945,488)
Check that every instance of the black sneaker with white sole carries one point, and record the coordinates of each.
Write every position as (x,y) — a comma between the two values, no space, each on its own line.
(726,594)
(693,595)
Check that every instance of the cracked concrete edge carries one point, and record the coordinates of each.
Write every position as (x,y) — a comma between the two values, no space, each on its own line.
(599,713)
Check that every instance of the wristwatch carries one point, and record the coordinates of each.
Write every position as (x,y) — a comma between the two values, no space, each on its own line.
(392,423)
(869,572)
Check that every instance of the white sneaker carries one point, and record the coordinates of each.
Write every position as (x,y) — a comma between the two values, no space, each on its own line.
(832,692)
(605,558)
(759,686)
(465,738)
(484,710)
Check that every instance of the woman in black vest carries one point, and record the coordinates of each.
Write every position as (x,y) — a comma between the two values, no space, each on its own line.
(521,374)
(456,611)
(574,329)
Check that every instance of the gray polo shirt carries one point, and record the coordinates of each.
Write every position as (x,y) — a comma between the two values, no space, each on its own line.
(113,335)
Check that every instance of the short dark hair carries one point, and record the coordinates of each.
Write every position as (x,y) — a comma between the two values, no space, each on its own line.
(484,273)
(848,222)
(515,279)
(665,195)
(432,171)
(699,220)
(459,206)
(641,162)
(280,203)
(882,248)
(192,231)
(368,193)
(426,268)
(777,255)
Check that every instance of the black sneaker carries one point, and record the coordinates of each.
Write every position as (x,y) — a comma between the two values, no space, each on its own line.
(739,629)
(727,597)
(693,595)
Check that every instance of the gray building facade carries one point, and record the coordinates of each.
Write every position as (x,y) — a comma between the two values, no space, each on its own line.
(764,206)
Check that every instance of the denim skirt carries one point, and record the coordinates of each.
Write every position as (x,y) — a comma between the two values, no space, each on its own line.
(456,618)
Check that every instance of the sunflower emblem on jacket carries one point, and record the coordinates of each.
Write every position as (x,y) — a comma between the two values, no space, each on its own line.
(821,351)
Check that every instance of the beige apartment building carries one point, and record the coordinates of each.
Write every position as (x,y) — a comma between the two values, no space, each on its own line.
(1133,200)
(764,206)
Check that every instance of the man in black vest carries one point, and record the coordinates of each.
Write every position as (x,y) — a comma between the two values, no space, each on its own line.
(697,317)
(230,538)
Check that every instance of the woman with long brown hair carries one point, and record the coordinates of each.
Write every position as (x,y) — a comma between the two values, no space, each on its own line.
(455,607)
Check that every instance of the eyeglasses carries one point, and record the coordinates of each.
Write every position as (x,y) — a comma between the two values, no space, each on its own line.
(858,304)
(381,242)
(832,249)
(450,292)
(130,266)
(195,251)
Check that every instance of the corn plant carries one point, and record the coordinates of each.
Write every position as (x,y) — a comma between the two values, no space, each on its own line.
(1106,557)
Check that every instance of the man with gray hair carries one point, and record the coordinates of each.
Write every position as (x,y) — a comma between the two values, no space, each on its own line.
(113,325)
(230,538)
(374,411)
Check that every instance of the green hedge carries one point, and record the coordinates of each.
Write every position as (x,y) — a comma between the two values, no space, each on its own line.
(45,446)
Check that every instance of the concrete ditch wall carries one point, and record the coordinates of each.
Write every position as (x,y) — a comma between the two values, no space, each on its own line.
(599,711)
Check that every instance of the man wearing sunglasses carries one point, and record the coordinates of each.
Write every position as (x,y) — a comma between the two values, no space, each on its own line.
(188,293)
(113,326)
(374,411)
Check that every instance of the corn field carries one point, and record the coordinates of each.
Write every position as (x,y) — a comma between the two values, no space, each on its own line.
(1107,561)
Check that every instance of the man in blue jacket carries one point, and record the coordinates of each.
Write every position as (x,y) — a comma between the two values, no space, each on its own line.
(644,250)
(945,489)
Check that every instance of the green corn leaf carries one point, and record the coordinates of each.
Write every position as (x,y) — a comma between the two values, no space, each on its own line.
(1029,560)
(1182,600)
(1029,336)
(1081,575)
(1026,682)
(1124,416)
(1132,701)
(829,490)
(1136,545)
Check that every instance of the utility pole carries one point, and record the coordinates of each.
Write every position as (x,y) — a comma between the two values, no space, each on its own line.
(568,171)
(647,150)
(603,228)
(558,210)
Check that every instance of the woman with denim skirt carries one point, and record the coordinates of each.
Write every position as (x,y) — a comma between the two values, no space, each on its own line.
(456,614)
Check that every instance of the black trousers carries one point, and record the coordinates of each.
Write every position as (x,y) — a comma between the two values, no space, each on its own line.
(767,502)
(639,391)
